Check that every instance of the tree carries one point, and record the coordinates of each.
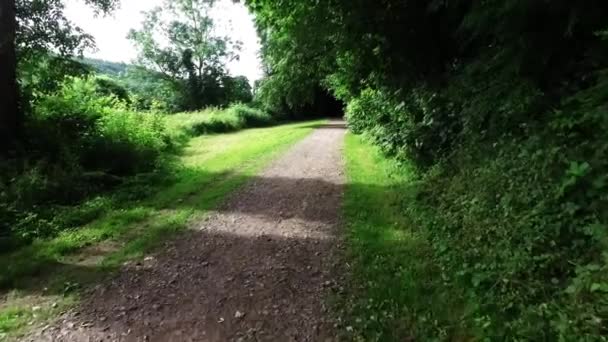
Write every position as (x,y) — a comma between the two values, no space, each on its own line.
(9,112)
(238,89)
(193,52)
(30,29)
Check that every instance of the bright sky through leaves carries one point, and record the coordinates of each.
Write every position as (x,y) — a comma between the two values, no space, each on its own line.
(110,32)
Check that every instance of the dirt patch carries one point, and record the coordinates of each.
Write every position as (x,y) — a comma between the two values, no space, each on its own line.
(93,255)
(258,269)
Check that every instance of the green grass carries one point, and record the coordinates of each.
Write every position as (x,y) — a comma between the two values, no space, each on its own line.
(396,292)
(217,120)
(48,274)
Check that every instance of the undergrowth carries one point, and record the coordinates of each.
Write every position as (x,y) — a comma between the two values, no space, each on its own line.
(83,142)
(514,214)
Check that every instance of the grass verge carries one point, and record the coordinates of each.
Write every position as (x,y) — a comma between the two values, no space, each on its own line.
(46,277)
(396,290)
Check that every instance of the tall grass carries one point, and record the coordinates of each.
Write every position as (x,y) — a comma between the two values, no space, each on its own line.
(216,120)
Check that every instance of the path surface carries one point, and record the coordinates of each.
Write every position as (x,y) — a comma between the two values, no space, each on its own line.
(258,269)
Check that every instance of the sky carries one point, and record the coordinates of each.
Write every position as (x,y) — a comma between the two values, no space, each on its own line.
(111,31)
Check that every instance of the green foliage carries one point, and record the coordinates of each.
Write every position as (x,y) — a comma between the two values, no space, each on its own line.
(153,91)
(79,143)
(185,49)
(44,73)
(238,89)
(107,87)
(421,127)
(214,120)
(501,105)
(100,66)
(43,28)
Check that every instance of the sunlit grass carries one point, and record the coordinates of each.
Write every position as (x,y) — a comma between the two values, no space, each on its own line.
(210,168)
(396,292)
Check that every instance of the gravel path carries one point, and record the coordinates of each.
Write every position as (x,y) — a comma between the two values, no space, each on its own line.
(258,269)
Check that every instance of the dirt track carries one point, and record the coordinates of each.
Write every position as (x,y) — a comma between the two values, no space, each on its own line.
(258,269)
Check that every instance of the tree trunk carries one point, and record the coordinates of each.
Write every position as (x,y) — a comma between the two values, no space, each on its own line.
(10,117)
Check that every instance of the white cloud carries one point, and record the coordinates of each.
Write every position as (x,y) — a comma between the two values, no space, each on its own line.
(111,31)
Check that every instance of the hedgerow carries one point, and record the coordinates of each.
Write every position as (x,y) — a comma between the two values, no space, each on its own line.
(501,107)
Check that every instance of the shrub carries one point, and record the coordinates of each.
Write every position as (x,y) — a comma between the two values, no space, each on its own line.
(108,87)
(129,143)
(421,126)
(79,143)
(517,219)
(215,120)
(250,117)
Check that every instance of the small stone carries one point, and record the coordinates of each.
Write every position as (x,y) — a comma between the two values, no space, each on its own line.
(238,314)
(221,320)
(54,305)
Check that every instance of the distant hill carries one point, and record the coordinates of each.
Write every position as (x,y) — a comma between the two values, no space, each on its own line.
(105,67)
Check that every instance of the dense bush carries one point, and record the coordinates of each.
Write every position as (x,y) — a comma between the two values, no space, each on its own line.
(513,199)
(420,127)
(216,120)
(79,143)
(501,106)
(109,87)
(97,132)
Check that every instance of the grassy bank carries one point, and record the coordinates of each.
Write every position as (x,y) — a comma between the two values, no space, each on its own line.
(397,292)
(48,275)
